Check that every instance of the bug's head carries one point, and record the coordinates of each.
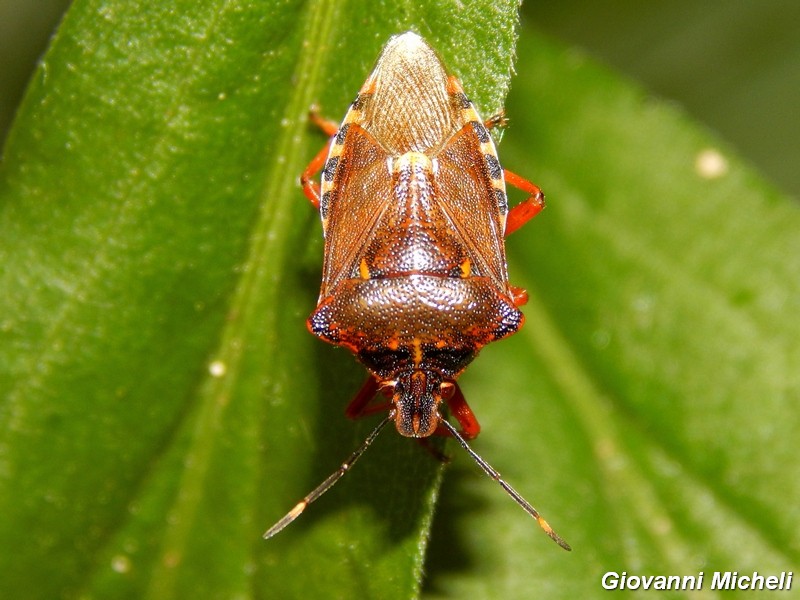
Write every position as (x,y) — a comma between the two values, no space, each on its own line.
(416,396)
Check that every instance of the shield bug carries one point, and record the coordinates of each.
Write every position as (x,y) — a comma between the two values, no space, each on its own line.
(414,213)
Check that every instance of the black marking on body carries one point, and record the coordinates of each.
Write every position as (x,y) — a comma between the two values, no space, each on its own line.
(330,168)
(463,101)
(502,200)
(324,203)
(340,135)
(480,131)
(495,171)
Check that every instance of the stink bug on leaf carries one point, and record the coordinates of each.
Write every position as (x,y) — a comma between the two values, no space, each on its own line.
(414,214)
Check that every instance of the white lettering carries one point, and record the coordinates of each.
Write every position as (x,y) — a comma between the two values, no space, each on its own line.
(722,580)
(610,580)
(621,581)
(647,582)
(758,580)
(665,583)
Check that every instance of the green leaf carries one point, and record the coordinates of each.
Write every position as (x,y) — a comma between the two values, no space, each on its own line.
(162,401)
(649,408)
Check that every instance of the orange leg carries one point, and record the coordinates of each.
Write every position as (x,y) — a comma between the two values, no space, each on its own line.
(359,406)
(311,188)
(329,128)
(519,295)
(470,428)
(521,214)
(528,208)
(498,120)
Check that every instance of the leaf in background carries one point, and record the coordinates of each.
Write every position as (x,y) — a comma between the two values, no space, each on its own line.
(691,51)
(162,402)
(649,407)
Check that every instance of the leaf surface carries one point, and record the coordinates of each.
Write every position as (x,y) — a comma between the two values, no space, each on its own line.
(162,401)
(649,407)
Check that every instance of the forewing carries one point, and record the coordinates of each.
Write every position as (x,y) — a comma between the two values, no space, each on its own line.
(359,195)
(472,195)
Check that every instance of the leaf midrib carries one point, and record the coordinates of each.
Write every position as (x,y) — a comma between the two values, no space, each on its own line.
(266,240)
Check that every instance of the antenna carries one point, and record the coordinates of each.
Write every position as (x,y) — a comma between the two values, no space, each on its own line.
(487,468)
(332,479)
(351,460)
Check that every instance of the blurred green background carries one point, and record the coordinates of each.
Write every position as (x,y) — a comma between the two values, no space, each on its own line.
(734,66)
